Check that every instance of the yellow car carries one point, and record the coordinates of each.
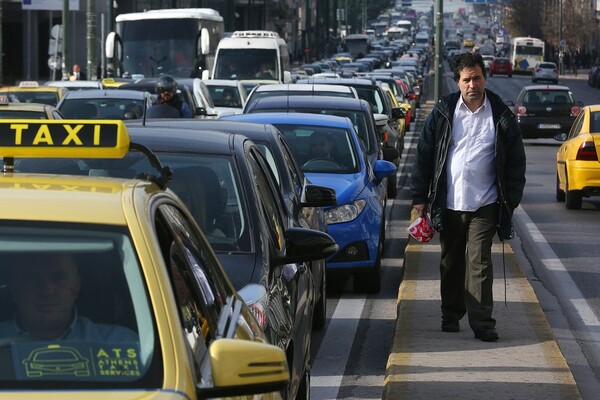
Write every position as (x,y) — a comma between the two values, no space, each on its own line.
(469,42)
(27,110)
(116,287)
(33,92)
(577,162)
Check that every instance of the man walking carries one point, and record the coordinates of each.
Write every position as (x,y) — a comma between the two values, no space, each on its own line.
(469,173)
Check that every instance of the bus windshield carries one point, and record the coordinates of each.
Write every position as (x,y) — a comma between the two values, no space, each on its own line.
(258,64)
(156,47)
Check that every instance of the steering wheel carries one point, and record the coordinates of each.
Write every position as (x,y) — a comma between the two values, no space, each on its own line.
(321,164)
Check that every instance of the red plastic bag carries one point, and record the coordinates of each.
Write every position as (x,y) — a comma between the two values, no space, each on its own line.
(421,229)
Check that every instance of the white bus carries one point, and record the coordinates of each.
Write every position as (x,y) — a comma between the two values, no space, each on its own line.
(253,57)
(525,53)
(177,42)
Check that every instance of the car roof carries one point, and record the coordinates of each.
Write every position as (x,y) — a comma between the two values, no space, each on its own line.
(546,87)
(69,198)
(339,81)
(107,93)
(27,106)
(183,139)
(294,118)
(316,87)
(327,102)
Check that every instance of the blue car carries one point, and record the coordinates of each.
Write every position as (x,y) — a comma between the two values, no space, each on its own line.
(330,154)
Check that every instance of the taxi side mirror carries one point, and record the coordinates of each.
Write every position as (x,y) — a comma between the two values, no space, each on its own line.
(243,367)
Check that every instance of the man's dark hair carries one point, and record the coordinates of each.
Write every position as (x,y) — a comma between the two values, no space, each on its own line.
(467,60)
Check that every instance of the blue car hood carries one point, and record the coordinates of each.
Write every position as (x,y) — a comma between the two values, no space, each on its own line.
(348,187)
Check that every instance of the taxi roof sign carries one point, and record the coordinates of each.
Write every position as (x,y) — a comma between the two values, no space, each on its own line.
(63,138)
(29,84)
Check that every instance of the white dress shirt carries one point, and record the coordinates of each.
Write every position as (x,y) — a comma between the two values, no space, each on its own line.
(471,172)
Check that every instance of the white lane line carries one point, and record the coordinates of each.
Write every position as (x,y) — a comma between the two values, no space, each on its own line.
(560,277)
(330,363)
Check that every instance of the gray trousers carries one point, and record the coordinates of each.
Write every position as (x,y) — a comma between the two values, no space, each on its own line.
(466,265)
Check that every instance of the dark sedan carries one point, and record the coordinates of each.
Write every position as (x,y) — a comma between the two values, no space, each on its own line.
(226,182)
(302,198)
(103,104)
(545,110)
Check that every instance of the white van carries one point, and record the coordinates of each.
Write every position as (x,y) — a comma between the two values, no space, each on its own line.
(253,57)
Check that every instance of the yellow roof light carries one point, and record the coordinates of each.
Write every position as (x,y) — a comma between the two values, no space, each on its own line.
(63,138)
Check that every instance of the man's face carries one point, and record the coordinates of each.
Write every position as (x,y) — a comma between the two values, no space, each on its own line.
(320,148)
(44,294)
(471,84)
(165,95)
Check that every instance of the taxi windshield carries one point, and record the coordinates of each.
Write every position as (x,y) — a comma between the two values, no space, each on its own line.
(73,308)
(32,97)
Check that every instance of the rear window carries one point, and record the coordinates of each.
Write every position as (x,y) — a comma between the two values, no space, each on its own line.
(547,65)
(545,96)
(595,122)
(501,61)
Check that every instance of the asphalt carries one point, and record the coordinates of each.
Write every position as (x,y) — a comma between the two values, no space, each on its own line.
(426,363)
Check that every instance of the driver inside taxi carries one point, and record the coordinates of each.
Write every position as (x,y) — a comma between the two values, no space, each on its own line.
(44,289)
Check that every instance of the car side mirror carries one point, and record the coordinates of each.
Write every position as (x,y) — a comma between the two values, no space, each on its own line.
(398,112)
(304,245)
(318,196)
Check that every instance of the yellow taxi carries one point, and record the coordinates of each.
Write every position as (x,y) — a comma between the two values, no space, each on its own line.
(108,288)
(114,83)
(33,92)
(469,42)
(27,110)
(577,161)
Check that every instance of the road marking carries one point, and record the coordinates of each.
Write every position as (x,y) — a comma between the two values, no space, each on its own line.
(558,273)
(335,349)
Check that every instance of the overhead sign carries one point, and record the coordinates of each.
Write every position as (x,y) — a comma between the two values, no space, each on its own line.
(49,5)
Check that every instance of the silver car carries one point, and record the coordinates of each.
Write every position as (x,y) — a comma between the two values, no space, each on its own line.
(545,71)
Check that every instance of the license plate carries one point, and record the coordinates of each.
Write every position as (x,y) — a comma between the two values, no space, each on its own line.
(548,126)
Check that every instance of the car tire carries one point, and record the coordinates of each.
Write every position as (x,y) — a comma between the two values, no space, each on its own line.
(304,388)
(392,186)
(369,282)
(560,194)
(573,199)
(320,312)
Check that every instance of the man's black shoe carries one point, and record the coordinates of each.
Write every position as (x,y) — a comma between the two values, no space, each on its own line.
(486,334)
(450,325)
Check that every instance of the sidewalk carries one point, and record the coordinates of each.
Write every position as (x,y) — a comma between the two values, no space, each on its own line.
(428,364)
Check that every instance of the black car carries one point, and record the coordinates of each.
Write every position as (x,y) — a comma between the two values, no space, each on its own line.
(545,110)
(226,183)
(303,199)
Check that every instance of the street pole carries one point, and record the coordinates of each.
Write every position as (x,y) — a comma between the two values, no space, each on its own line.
(65,40)
(561,47)
(91,39)
(439,27)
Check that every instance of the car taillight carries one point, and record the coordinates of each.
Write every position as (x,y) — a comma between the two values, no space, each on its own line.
(587,152)
(538,69)
(521,110)
(413,96)
(555,71)
(574,111)
(385,136)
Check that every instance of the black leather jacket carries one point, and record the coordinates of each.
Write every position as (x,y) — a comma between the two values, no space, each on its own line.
(429,169)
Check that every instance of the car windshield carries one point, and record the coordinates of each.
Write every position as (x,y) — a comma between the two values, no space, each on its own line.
(100,108)
(32,97)
(358,120)
(13,114)
(321,149)
(83,277)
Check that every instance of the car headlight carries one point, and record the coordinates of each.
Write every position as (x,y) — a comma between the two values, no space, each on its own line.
(345,213)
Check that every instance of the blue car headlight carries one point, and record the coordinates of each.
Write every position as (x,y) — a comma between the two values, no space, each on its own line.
(345,213)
